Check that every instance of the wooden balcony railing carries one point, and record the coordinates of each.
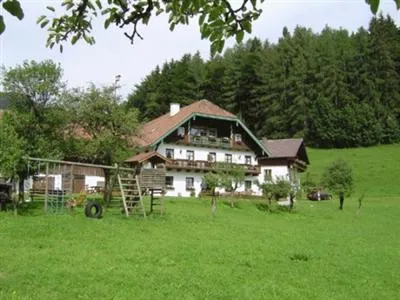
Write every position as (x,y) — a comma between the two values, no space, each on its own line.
(202,165)
(212,142)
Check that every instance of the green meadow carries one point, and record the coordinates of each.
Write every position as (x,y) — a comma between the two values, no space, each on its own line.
(315,252)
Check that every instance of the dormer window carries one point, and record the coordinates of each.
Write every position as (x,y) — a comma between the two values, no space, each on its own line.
(181,131)
(238,138)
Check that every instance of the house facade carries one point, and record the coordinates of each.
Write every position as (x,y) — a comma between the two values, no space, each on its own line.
(288,158)
(193,139)
(190,141)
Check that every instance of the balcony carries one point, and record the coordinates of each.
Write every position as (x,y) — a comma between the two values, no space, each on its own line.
(202,165)
(213,142)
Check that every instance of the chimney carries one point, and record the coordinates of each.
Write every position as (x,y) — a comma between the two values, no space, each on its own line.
(174,109)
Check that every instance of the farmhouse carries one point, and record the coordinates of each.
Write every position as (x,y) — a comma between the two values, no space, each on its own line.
(190,140)
(288,158)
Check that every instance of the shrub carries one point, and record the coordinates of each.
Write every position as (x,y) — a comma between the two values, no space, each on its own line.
(338,178)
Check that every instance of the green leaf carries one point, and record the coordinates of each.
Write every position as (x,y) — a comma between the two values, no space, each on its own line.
(246,25)
(214,47)
(2,25)
(397,4)
(107,23)
(61,48)
(14,8)
(44,23)
(74,39)
(51,8)
(374,4)
(239,36)
(98,3)
(221,45)
(201,19)
(40,19)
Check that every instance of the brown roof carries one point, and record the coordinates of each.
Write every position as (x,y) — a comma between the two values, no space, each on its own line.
(157,128)
(141,157)
(286,148)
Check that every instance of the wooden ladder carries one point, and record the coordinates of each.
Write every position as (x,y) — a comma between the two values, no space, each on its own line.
(157,199)
(131,195)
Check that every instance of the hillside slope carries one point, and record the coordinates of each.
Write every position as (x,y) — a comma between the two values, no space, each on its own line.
(376,169)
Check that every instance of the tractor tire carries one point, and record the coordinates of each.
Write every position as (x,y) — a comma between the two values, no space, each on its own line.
(98,210)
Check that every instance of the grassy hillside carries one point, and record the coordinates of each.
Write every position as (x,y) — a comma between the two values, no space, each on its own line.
(318,252)
(376,169)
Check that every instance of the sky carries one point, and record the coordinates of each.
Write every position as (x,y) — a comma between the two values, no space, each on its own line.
(114,55)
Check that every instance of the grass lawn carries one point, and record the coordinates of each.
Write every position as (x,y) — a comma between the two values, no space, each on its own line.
(318,252)
(376,169)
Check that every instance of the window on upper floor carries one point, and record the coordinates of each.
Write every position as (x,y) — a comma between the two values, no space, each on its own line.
(212,157)
(169,153)
(228,158)
(267,175)
(190,155)
(238,138)
(202,131)
(181,131)
(247,159)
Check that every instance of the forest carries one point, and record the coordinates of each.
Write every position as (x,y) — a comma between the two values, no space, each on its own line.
(334,88)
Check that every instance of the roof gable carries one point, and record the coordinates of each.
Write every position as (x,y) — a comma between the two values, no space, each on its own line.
(157,129)
(286,148)
(154,130)
(141,157)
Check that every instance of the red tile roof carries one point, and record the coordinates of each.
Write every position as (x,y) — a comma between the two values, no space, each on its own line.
(157,128)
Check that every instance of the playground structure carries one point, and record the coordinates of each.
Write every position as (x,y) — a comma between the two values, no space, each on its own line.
(57,182)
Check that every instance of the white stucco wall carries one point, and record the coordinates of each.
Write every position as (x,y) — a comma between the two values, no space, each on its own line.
(93,180)
(201,153)
(281,172)
(180,183)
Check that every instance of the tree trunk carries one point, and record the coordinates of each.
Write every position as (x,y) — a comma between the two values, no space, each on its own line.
(107,186)
(341,201)
(291,199)
(213,203)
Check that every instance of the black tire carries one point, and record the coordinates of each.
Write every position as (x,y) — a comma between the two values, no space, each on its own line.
(98,210)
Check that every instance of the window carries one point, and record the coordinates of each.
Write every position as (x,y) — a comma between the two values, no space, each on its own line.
(228,158)
(189,183)
(247,159)
(267,175)
(169,153)
(247,185)
(203,131)
(238,138)
(212,157)
(190,155)
(181,131)
(169,182)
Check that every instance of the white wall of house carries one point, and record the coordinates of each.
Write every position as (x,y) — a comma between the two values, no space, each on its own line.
(179,184)
(277,172)
(93,180)
(201,153)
